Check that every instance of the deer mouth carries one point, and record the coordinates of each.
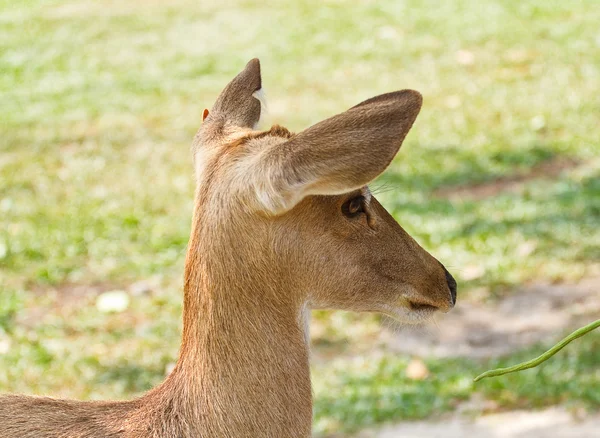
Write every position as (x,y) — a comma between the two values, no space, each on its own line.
(410,312)
(422,307)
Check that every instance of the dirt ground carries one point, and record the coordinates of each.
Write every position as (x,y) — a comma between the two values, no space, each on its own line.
(537,313)
(541,312)
(550,423)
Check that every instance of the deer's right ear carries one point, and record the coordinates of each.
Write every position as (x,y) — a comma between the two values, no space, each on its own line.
(337,155)
(237,103)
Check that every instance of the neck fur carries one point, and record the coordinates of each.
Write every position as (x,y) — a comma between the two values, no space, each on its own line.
(243,368)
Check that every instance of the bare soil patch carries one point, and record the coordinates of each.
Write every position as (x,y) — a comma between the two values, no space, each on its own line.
(553,422)
(73,293)
(512,183)
(67,298)
(532,314)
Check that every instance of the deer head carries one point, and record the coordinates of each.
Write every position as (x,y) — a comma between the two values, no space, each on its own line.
(295,209)
(282,222)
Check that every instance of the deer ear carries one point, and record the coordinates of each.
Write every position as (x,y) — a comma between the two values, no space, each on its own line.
(236,103)
(339,154)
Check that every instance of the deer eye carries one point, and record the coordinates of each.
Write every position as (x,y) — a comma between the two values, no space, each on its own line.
(353,207)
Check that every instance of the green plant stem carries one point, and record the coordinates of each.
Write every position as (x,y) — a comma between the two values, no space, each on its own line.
(543,357)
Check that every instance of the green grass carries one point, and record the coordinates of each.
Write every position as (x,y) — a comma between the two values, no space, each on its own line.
(99,103)
(101,100)
(366,391)
(77,352)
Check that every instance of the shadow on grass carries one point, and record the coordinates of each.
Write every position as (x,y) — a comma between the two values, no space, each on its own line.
(557,217)
(454,165)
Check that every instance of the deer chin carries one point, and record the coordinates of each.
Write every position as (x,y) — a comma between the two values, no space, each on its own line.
(407,312)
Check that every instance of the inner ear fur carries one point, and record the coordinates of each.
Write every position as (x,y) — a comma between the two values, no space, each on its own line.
(339,154)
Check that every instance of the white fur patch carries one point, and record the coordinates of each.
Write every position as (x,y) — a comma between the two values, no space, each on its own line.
(255,177)
(200,161)
(304,320)
(261,96)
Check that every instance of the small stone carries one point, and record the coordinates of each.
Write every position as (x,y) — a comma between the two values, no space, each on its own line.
(417,370)
(465,57)
(453,102)
(387,33)
(526,248)
(538,123)
(6,204)
(4,346)
(115,301)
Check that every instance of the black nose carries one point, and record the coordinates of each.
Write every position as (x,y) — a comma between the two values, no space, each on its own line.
(451,285)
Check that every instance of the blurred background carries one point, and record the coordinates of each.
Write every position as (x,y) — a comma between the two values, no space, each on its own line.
(499,179)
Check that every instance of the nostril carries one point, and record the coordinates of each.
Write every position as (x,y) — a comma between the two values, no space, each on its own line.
(451,285)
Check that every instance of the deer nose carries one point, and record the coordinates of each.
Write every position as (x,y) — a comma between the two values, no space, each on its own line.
(451,285)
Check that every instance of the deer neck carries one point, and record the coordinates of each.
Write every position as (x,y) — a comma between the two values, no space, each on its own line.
(244,365)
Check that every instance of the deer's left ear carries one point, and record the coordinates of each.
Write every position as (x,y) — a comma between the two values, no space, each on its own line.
(337,155)
(237,103)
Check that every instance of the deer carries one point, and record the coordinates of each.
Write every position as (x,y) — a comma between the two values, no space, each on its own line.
(282,223)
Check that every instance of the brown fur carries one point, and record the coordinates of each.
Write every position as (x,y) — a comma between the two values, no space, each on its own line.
(268,242)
